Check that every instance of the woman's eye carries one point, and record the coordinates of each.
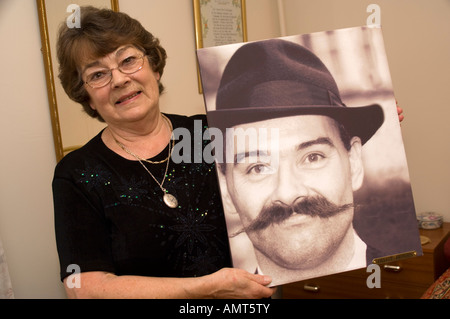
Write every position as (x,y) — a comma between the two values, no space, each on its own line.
(97,75)
(128,61)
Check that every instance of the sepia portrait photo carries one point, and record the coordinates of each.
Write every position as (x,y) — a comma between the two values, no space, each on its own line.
(309,153)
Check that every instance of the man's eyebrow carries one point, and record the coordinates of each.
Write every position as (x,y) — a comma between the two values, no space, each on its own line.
(239,157)
(319,141)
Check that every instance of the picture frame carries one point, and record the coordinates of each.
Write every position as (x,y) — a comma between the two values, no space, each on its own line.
(219,22)
(71,127)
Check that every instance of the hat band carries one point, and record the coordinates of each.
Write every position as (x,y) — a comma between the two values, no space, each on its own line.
(281,92)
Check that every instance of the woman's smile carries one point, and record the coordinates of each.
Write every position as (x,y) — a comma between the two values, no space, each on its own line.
(128,97)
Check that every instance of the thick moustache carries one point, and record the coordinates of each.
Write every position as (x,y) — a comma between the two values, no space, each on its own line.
(276,213)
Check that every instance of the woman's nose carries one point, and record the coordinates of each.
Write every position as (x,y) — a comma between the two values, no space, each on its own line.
(118,78)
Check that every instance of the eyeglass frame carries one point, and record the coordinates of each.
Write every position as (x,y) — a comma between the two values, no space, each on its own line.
(117,68)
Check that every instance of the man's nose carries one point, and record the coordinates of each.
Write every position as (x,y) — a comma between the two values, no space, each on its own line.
(289,185)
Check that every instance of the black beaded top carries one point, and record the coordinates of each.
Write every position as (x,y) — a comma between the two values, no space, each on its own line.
(110,215)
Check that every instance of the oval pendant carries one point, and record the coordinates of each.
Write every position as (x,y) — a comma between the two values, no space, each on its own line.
(170,200)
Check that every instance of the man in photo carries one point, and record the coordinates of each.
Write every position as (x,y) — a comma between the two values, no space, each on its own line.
(296,208)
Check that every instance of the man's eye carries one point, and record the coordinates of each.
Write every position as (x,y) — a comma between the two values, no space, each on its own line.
(259,169)
(314,158)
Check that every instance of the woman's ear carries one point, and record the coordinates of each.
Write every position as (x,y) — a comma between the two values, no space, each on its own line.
(356,163)
(91,104)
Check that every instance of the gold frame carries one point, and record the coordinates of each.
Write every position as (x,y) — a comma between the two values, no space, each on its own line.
(50,79)
(199,33)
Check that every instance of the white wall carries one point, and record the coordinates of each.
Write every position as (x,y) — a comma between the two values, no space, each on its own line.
(28,157)
(416,32)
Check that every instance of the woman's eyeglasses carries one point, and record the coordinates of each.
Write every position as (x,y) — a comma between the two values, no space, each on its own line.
(102,77)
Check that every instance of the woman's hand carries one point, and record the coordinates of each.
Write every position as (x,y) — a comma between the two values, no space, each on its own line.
(229,283)
(226,283)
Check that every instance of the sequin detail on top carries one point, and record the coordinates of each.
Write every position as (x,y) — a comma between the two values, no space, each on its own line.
(134,191)
(93,177)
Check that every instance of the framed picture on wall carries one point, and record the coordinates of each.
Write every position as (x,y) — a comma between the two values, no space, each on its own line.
(219,22)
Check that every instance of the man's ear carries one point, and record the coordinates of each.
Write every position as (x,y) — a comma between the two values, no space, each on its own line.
(356,163)
(227,202)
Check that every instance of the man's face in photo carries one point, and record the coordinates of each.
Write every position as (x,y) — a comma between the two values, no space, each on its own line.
(296,209)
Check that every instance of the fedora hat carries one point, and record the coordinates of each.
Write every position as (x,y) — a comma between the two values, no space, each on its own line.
(278,78)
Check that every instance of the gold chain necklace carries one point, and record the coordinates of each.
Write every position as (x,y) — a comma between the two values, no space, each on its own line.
(146,160)
(169,199)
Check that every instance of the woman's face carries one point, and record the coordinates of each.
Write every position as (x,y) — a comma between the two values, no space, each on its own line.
(128,97)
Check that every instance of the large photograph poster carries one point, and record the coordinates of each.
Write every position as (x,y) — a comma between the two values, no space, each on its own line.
(309,152)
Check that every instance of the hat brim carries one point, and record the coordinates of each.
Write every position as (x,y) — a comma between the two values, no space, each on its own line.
(361,121)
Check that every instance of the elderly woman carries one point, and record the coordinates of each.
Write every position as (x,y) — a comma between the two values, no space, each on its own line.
(135,223)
